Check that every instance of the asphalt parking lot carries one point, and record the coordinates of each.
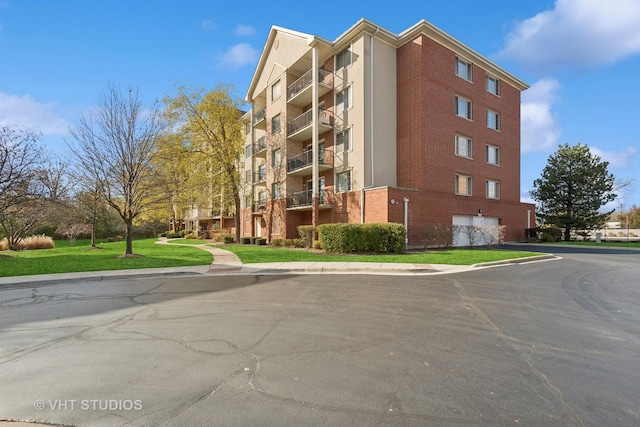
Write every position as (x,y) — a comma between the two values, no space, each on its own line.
(546,343)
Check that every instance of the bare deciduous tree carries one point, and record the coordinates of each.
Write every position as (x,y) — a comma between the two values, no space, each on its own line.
(20,156)
(115,147)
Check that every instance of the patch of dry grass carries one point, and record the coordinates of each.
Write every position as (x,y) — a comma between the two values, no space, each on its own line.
(30,243)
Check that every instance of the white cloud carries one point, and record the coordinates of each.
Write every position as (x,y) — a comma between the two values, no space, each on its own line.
(617,159)
(238,55)
(244,30)
(25,111)
(576,33)
(538,127)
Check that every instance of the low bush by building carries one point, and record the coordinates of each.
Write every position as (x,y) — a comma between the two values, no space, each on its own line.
(346,238)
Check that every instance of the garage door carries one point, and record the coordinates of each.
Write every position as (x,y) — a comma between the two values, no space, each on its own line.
(485,225)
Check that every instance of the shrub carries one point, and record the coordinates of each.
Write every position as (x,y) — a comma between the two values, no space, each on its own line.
(277,242)
(307,233)
(35,242)
(260,241)
(551,234)
(317,244)
(229,239)
(438,235)
(164,234)
(245,240)
(173,235)
(4,244)
(191,236)
(374,237)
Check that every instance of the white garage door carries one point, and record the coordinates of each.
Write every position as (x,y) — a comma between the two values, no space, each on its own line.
(461,236)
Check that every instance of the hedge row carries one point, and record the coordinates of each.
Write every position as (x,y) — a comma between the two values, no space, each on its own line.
(344,238)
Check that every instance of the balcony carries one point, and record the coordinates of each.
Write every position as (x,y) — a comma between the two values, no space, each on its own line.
(302,200)
(300,128)
(302,164)
(300,91)
(259,116)
(260,147)
(259,207)
(260,177)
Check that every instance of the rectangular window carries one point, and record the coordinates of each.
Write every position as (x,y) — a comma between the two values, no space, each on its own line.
(276,157)
(493,190)
(262,173)
(248,151)
(275,91)
(343,180)
(276,190)
(262,198)
(493,120)
(248,176)
(463,69)
(275,124)
(343,140)
(493,155)
(463,107)
(463,146)
(463,185)
(343,58)
(493,85)
(343,100)
(248,201)
(247,127)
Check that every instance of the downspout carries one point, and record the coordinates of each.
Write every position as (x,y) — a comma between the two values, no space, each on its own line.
(406,223)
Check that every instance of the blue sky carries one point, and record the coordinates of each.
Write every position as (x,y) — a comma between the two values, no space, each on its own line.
(581,58)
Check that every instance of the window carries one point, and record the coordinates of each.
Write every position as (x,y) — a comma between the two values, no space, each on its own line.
(344,181)
(276,157)
(343,58)
(493,155)
(275,124)
(276,190)
(262,173)
(248,151)
(262,198)
(343,100)
(493,189)
(275,91)
(493,120)
(248,176)
(248,201)
(344,139)
(463,69)
(463,185)
(247,127)
(463,107)
(493,85)
(463,146)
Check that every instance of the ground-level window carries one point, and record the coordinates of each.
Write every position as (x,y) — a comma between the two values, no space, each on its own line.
(343,180)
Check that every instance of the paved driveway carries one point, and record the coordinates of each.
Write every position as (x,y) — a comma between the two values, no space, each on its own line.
(547,343)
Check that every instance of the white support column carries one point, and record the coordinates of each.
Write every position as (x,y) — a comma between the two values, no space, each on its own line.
(314,140)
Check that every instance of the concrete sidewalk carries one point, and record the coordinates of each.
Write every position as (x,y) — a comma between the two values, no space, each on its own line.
(227,263)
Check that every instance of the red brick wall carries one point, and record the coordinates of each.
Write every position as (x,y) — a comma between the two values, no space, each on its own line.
(427,125)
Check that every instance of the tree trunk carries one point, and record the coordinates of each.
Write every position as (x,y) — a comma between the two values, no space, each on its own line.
(567,234)
(236,198)
(93,235)
(129,250)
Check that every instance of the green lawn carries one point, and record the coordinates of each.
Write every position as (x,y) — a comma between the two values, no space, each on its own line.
(80,257)
(251,254)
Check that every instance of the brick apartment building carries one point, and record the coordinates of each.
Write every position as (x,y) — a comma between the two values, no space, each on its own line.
(381,127)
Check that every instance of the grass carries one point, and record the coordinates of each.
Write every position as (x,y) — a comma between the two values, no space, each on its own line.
(251,254)
(65,258)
